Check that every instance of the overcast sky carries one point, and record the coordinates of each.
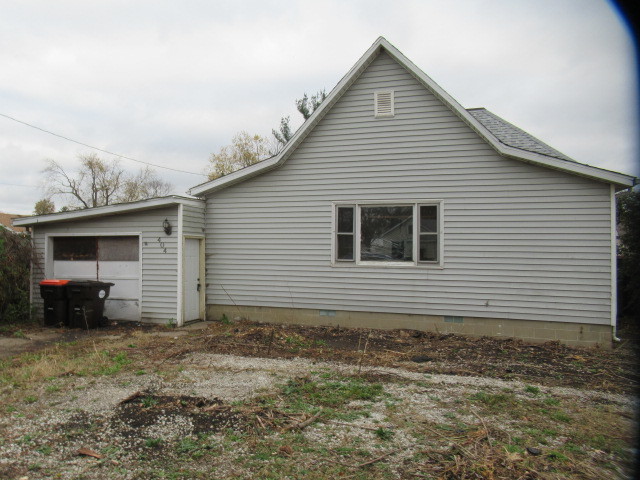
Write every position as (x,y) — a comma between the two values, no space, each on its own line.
(171,82)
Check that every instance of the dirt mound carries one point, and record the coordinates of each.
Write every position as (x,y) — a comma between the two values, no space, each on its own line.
(144,411)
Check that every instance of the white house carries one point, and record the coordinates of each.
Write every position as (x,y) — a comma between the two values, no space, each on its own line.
(395,207)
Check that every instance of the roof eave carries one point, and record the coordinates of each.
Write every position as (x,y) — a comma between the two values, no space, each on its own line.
(581,169)
(107,210)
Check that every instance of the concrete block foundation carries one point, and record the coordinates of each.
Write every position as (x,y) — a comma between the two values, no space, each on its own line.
(573,334)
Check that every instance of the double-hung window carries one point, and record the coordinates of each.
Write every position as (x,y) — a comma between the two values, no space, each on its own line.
(389,233)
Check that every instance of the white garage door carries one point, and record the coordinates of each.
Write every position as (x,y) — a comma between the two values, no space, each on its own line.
(113,259)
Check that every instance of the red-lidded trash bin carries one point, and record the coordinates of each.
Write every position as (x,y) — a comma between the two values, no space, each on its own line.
(86,303)
(54,293)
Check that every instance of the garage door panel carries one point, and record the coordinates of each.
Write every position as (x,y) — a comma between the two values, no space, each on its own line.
(117,263)
(76,270)
(115,309)
(119,269)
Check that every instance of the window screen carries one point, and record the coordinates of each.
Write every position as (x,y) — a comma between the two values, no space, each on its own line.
(74,248)
(345,233)
(96,248)
(118,249)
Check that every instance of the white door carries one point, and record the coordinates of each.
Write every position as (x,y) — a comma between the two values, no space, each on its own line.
(191,279)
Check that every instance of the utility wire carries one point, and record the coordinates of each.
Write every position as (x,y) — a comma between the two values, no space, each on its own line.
(99,149)
(18,185)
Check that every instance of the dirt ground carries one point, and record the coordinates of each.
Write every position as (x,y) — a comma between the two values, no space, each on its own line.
(552,363)
(247,400)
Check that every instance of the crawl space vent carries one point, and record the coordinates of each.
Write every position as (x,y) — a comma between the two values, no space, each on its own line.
(383,103)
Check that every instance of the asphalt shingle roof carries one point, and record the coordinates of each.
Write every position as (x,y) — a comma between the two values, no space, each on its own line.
(513,136)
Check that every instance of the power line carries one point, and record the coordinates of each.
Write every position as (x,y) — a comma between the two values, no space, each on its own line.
(99,149)
(18,185)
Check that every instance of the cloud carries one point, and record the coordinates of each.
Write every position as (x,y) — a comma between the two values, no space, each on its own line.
(171,83)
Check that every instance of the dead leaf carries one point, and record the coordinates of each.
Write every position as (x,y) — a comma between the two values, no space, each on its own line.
(286,450)
(89,453)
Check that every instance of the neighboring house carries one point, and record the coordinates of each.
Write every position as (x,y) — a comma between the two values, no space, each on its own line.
(394,207)
(6,220)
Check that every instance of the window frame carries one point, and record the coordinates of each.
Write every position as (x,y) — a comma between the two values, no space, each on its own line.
(415,204)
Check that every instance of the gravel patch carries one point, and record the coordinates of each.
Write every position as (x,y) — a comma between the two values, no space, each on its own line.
(89,411)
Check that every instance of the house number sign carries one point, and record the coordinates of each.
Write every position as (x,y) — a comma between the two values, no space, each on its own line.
(161,243)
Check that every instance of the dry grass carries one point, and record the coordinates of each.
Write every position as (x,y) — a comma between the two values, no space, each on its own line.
(322,425)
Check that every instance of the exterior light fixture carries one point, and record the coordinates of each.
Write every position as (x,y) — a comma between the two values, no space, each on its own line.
(166,226)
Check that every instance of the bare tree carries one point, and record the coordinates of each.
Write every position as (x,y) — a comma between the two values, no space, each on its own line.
(98,182)
(146,184)
(245,150)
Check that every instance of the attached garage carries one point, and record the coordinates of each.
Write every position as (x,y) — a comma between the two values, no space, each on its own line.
(152,250)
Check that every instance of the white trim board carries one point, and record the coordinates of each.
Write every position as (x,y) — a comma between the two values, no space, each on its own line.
(108,210)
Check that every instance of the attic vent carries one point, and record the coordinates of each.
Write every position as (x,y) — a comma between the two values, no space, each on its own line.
(383,100)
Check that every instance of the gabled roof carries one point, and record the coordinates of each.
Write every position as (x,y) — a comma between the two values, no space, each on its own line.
(513,136)
(505,138)
(130,207)
(6,221)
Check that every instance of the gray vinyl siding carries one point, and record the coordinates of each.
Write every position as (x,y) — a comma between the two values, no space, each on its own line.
(193,220)
(520,241)
(159,268)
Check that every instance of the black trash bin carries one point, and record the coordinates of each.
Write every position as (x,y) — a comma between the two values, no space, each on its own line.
(86,303)
(56,304)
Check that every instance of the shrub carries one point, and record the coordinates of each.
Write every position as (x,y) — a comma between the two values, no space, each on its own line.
(629,252)
(15,259)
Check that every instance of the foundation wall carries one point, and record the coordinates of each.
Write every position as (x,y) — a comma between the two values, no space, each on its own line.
(573,334)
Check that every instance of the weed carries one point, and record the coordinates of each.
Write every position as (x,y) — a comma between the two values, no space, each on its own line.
(192,447)
(551,401)
(531,389)
(52,388)
(494,401)
(557,456)
(561,417)
(384,433)
(335,393)
(514,448)
(148,402)
(112,364)
(153,442)
(345,451)
(171,323)
(45,450)
(570,447)
(19,334)
(140,372)
(225,320)
(30,399)
(111,450)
